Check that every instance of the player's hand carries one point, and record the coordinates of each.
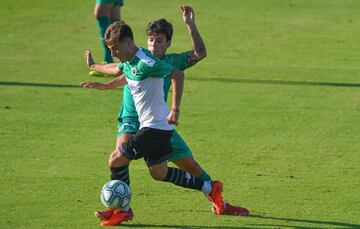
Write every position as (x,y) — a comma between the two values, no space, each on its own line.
(188,14)
(173,117)
(89,59)
(96,85)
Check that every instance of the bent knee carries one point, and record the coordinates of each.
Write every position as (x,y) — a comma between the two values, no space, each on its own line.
(114,157)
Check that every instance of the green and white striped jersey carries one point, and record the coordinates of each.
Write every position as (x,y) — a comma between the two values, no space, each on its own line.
(128,110)
(145,75)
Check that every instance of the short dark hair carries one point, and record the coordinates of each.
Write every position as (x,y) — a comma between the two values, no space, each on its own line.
(160,26)
(118,30)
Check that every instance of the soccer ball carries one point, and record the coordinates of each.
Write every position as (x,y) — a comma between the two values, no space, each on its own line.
(116,194)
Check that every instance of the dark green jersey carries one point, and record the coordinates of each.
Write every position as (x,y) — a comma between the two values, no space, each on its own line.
(179,61)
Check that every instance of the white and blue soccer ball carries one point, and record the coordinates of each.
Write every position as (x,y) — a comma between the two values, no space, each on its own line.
(116,194)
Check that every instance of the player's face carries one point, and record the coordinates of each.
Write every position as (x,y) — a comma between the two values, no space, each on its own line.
(157,44)
(118,50)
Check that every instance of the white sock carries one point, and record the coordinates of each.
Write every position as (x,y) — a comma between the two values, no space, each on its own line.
(206,188)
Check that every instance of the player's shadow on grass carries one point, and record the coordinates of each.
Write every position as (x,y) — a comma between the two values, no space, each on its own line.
(183,226)
(315,223)
(275,82)
(207,79)
(286,223)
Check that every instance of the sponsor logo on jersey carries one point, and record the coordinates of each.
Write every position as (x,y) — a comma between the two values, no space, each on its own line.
(135,88)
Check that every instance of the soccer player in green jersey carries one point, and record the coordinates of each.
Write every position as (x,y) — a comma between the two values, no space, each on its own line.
(159,39)
(144,74)
(106,12)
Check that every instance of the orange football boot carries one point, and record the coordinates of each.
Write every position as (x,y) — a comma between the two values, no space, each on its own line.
(118,217)
(104,215)
(232,210)
(215,196)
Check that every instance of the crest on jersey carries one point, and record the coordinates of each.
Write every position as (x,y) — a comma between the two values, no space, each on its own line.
(133,71)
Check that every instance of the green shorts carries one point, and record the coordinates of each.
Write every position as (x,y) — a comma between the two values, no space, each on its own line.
(180,149)
(128,126)
(115,2)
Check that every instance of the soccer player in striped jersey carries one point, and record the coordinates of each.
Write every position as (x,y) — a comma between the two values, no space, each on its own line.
(159,39)
(144,74)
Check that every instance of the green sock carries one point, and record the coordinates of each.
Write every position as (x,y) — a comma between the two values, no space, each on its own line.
(103,23)
(204,176)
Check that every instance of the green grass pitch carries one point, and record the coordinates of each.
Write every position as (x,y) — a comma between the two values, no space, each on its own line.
(273,112)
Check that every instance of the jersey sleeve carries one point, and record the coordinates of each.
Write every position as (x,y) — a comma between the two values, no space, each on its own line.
(181,61)
(121,66)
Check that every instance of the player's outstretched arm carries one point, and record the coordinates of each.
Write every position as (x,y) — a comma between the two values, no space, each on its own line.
(117,82)
(198,51)
(107,69)
(177,82)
